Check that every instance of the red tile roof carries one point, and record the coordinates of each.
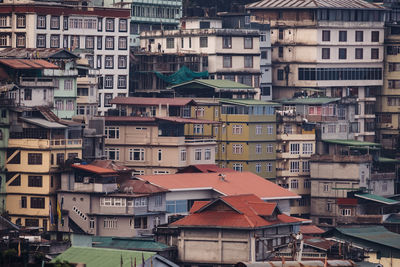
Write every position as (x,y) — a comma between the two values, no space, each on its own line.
(93,169)
(227,183)
(141,187)
(204,168)
(311,230)
(152,101)
(112,165)
(24,64)
(240,211)
(198,205)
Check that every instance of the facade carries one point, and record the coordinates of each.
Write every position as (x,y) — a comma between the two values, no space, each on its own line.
(229,54)
(99,34)
(148,135)
(37,147)
(335,48)
(92,201)
(228,230)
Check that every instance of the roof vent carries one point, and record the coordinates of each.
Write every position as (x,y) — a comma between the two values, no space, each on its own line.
(222,177)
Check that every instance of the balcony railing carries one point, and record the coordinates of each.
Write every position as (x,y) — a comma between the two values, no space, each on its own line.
(44,143)
(65,142)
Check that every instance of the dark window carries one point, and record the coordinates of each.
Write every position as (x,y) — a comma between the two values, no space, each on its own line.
(342,36)
(280,75)
(31,222)
(4,113)
(37,202)
(280,51)
(374,36)
(248,61)
(99,24)
(359,36)
(226,42)
(60,158)
(23,202)
(123,25)
(326,53)
(35,181)
(359,53)
(374,53)
(326,36)
(280,35)
(65,24)
(41,40)
(342,53)
(264,54)
(27,94)
(203,41)
(227,61)
(204,24)
(99,42)
(16,159)
(248,42)
(16,182)
(170,42)
(41,22)
(34,158)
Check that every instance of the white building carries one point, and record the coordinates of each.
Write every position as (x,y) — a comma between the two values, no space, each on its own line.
(99,34)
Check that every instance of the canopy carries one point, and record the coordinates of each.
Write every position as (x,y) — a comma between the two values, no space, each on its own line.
(184,74)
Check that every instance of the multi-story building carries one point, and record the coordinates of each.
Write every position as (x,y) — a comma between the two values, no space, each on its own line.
(333,47)
(296,144)
(99,34)
(229,54)
(38,145)
(93,201)
(148,134)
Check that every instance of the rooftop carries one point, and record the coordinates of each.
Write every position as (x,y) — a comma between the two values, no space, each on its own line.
(217,84)
(205,168)
(142,187)
(93,169)
(227,183)
(377,198)
(152,101)
(126,243)
(44,123)
(29,53)
(350,142)
(308,101)
(311,230)
(27,64)
(247,102)
(313,4)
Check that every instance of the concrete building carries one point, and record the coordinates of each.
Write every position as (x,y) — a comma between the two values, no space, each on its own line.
(230,229)
(229,54)
(148,134)
(98,34)
(342,167)
(333,47)
(93,201)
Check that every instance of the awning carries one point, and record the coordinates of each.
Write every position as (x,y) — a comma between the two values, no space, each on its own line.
(44,123)
(379,199)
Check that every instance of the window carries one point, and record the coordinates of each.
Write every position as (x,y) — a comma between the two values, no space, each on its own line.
(374,36)
(122,43)
(197,154)
(342,36)
(3,40)
(122,62)
(110,223)
(207,154)
(21,40)
(227,61)
(35,181)
(37,202)
(34,158)
(226,42)
(280,75)
(109,25)
(121,81)
(199,112)
(75,41)
(68,85)
(248,61)
(258,167)
(294,184)
(55,22)
(307,184)
(326,53)
(198,129)
(59,104)
(123,25)
(280,34)
(23,202)
(268,167)
(21,23)
(111,132)
(60,158)
(177,206)
(27,94)
(41,40)
(109,82)
(203,41)
(237,129)
(112,153)
(248,42)
(359,53)
(183,155)
(294,166)
(374,53)
(136,154)
(307,148)
(270,148)
(258,129)
(306,166)
(109,62)
(41,22)
(99,42)
(170,42)
(280,51)
(345,212)
(109,43)
(326,36)
(342,53)
(237,149)
(326,187)
(359,36)
(258,148)
(65,23)
(91,223)
(328,206)
(264,54)
(89,42)
(270,129)
(238,167)
(99,24)
(54,41)
(335,74)
(159,155)
(204,24)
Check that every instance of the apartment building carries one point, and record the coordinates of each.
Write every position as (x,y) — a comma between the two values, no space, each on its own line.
(38,145)
(148,135)
(333,47)
(229,54)
(94,200)
(98,34)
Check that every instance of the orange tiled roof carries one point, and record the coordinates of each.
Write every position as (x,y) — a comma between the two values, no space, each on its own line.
(240,211)
(93,169)
(227,183)
(141,187)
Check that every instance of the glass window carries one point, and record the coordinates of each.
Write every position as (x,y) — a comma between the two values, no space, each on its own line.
(109,43)
(375,36)
(248,61)
(170,42)
(41,40)
(55,22)
(342,36)
(109,25)
(248,42)
(123,25)
(203,41)
(326,36)
(359,53)
(227,61)
(41,22)
(359,36)
(227,42)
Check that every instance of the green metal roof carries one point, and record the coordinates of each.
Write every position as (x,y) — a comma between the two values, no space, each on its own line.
(377,198)
(128,243)
(393,218)
(375,234)
(102,257)
(350,142)
(247,102)
(220,84)
(388,160)
(309,101)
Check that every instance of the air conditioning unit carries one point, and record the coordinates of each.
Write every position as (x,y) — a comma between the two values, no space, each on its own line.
(86,180)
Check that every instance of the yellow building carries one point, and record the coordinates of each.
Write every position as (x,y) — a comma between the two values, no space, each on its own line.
(246,135)
(37,147)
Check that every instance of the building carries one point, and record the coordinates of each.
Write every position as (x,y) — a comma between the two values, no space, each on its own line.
(38,145)
(96,33)
(186,188)
(345,166)
(228,54)
(333,47)
(93,201)
(230,229)
(148,134)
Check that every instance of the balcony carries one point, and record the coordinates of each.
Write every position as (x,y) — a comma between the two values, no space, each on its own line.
(383,175)
(296,137)
(199,140)
(45,143)
(58,72)
(95,187)
(359,219)
(36,82)
(341,158)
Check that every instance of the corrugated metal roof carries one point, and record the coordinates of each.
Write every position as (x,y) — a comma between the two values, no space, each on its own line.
(218,84)
(308,101)
(313,4)
(44,123)
(247,102)
(28,64)
(36,53)
(377,198)
(93,169)
(128,243)
(311,229)
(187,120)
(152,101)
(350,142)
(315,263)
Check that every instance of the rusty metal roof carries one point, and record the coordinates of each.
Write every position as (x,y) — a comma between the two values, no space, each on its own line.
(313,4)
(152,101)
(26,64)
(93,169)
(36,53)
